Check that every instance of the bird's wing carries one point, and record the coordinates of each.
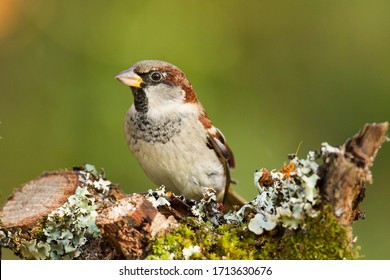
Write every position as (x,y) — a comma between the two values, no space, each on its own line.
(217,142)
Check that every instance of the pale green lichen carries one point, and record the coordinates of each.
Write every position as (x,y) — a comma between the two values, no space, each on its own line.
(2,235)
(90,177)
(33,250)
(285,197)
(208,209)
(26,245)
(66,229)
(157,197)
(261,222)
(285,221)
(205,209)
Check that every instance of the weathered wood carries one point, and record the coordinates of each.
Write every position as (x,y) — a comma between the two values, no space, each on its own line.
(346,171)
(131,223)
(38,198)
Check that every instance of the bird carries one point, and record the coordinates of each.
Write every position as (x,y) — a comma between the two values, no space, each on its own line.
(171,136)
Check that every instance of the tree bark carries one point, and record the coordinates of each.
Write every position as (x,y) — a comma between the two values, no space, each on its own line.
(346,172)
(131,223)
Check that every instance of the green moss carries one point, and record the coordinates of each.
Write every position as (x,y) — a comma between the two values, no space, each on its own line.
(222,242)
(225,241)
(321,238)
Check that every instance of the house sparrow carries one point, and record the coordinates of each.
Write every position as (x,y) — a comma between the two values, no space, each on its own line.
(171,136)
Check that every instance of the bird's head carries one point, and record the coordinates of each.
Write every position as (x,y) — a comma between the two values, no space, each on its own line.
(157,85)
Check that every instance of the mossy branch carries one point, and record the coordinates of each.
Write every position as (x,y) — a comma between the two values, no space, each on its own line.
(303,211)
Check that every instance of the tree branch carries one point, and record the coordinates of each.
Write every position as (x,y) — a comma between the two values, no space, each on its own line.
(303,211)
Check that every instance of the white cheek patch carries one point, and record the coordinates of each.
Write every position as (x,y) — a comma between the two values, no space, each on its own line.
(165,102)
(163,98)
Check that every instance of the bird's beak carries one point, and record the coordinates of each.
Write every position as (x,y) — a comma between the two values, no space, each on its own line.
(129,78)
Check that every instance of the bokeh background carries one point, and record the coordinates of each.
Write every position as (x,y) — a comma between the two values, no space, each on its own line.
(270,74)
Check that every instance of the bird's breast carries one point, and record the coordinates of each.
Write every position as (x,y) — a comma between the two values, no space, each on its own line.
(141,128)
(174,152)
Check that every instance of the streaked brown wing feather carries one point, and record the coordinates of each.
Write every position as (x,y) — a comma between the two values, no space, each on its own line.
(220,146)
(217,142)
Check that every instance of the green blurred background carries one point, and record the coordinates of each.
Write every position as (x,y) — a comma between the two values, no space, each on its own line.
(270,74)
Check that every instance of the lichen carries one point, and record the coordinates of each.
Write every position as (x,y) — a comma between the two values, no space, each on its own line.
(34,250)
(65,230)
(208,209)
(157,197)
(286,196)
(286,220)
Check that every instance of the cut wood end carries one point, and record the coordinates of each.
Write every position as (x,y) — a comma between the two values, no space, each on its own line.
(38,198)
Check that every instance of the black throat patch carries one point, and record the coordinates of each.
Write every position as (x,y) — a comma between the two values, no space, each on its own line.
(140,100)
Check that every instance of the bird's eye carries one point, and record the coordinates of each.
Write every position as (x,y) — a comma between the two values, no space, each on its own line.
(155,76)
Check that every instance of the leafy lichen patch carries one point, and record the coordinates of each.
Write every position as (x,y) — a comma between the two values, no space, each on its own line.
(286,220)
(65,230)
